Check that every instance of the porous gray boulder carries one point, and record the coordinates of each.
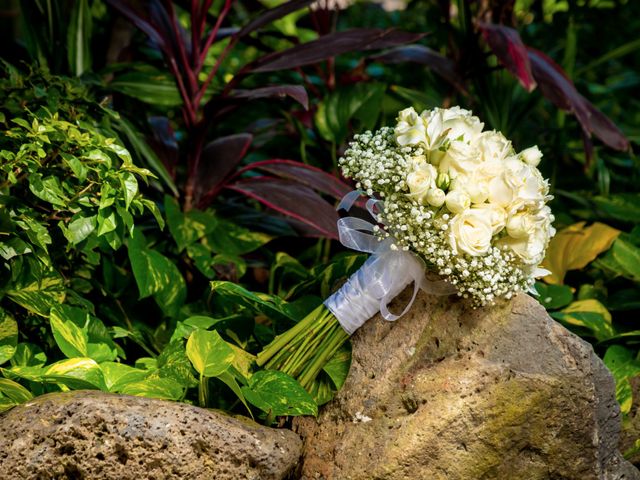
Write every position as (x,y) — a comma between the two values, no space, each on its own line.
(95,435)
(452,393)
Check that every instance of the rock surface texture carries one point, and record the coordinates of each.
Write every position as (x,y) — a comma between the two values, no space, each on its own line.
(94,435)
(503,393)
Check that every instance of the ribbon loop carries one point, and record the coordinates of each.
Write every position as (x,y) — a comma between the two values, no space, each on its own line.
(381,278)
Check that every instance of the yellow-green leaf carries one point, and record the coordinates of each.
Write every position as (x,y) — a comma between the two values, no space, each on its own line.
(575,247)
(8,336)
(71,339)
(209,353)
(163,388)
(13,390)
(76,373)
(118,375)
(589,314)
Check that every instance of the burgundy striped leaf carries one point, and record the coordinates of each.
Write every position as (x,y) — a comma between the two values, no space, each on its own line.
(440,64)
(331,45)
(292,199)
(561,91)
(218,161)
(307,175)
(506,44)
(297,92)
(276,13)
(141,20)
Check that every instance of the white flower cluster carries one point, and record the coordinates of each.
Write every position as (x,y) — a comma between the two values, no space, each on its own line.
(460,197)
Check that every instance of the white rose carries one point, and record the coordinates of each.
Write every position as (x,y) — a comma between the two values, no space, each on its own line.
(457,201)
(436,197)
(531,156)
(470,232)
(493,146)
(521,225)
(460,158)
(433,121)
(476,185)
(410,129)
(530,249)
(495,214)
(518,185)
(461,123)
(421,180)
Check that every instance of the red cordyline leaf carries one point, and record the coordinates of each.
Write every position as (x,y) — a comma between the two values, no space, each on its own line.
(506,44)
(297,92)
(440,64)
(330,46)
(273,14)
(292,199)
(305,174)
(560,90)
(219,159)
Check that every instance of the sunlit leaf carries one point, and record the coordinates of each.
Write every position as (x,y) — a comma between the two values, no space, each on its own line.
(8,336)
(13,390)
(209,353)
(71,339)
(588,314)
(277,394)
(162,388)
(575,247)
(76,373)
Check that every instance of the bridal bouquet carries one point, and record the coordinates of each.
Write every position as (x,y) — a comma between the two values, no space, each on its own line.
(446,197)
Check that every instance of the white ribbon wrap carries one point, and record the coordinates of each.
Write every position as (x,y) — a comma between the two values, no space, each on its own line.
(381,278)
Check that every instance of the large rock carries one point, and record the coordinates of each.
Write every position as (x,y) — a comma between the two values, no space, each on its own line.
(448,392)
(94,435)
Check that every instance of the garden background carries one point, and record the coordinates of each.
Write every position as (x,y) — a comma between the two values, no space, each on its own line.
(169,177)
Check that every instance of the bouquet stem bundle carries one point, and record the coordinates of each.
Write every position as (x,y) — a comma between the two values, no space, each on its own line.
(304,350)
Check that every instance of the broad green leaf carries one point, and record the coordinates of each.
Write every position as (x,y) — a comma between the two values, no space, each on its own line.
(79,228)
(32,373)
(232,239)
(117,375)
(107,221)
(187,228)
(229,380)
(129,187)
(28,355)
(575,247)
(209,353)
(16,392)
(589,314)
(14,247)
(627,256)
(162,388)
(552,296)
(150,86)
(156,275)
(269,305)
(201,321)
(623,366)
(624,206)
(6,404)
(76,373)
(8,336)
(337,368)
(243,361)
(48,189)
(174,364)
(71,339)
(38,295)
(277,394)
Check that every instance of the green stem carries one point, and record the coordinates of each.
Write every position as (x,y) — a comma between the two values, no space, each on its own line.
(336,339)
(281,340)
(203,391)
(296,362)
